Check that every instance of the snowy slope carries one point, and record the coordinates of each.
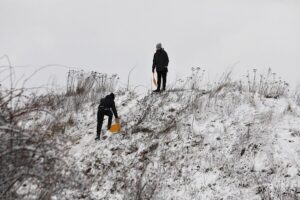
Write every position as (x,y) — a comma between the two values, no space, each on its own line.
(189,144)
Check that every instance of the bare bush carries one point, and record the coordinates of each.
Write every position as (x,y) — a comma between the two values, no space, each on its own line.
(269,85)
(88,87)
(30,158)
(32,165)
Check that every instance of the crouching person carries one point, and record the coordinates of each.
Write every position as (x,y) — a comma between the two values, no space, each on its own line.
(107,107)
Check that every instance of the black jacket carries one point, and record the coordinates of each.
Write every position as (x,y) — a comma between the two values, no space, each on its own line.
(160,61)
(108,103)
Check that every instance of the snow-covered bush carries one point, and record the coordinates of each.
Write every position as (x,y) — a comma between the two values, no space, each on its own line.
(89,86)
(269,85)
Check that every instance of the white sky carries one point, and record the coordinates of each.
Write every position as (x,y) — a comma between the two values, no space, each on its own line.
(112,36)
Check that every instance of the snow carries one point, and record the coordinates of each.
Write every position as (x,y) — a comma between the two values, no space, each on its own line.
(221,150)
(186,144)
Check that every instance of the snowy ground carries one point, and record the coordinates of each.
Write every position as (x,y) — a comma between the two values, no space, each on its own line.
(190,145)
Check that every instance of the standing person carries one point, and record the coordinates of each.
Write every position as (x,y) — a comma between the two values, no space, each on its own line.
(106,107)
(160,63)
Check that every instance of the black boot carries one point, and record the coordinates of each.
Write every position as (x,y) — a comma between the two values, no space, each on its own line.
(156,90)
(97,138)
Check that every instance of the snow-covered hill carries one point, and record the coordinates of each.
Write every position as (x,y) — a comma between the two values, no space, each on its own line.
(227,141)
(192,145)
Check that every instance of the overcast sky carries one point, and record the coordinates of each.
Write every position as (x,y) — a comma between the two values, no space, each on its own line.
(112,36)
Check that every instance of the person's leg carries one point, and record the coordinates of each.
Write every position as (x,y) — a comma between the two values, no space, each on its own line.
(158,81)
(100,117)
(164,76)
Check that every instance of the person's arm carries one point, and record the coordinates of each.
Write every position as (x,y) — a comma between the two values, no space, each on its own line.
(167,59)
(113,107)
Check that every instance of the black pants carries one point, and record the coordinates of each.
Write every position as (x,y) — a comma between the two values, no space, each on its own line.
(162,75)
(100,117)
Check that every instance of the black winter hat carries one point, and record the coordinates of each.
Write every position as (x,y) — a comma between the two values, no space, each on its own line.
(112,95)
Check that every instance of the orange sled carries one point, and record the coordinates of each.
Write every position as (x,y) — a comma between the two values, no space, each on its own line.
(115,128)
